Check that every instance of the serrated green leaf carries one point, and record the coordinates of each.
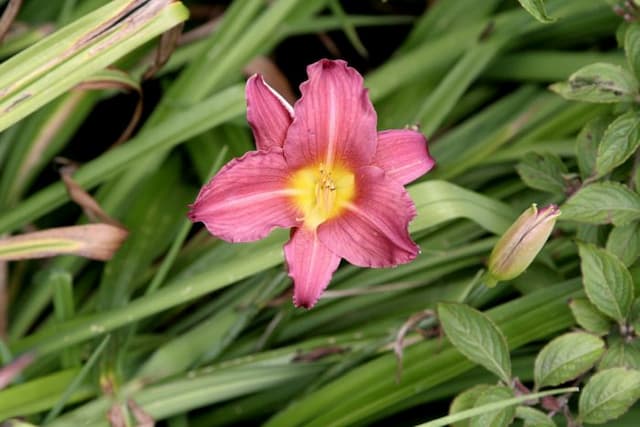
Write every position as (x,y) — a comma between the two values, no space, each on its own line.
(621,354)
(466,400)
(624,242)
(619,142)
(537,10)
(587,144)
(632,47)
(603,203)
(499,418)
(533,417)
(607,281)
(608,395)
(476,337)
(543,172)
(566,357)
(601,83)
(589,317)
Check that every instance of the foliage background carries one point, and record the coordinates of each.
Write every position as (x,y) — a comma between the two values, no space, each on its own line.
(187,330)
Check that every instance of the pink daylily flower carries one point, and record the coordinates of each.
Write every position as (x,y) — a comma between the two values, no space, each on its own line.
(322,169)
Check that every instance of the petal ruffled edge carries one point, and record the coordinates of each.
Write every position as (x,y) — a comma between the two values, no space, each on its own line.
(247,199)
(268,114)
(372,231)
(311,265)
(403,154)
(334,120)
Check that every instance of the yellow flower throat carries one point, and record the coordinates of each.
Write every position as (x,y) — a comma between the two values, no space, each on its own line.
(322,193)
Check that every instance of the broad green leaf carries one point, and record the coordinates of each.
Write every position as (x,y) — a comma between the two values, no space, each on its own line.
(476,337)
(587,144)
(543,172)
(537,10)
(533,417)
(498,418)
(632,47)
(466,400)
(608,395)
(589,317)
(603,203)
(621,354)
(607,281)
(566,357)
(619,142)
(624,242)
(600,82)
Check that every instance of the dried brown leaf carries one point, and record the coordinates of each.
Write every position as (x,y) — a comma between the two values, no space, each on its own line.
(93,241)
(13,369)
(272,75)
(10,13)
(88,204)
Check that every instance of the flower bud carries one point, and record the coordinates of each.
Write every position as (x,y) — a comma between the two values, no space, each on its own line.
(520,244)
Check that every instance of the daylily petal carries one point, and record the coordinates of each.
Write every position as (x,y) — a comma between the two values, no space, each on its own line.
(247,198)
(268,114)
(403,154)
(334,121)
(311,266)
(372,230)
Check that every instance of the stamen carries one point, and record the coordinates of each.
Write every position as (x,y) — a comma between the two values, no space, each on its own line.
(327,190)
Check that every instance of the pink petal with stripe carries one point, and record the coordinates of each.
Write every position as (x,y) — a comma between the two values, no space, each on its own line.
(403,154)
(372,231)
(247,199)
(334,121)
(311,266)
(268,114)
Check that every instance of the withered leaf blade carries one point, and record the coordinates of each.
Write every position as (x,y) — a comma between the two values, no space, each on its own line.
(13,369)
(89,205)
(272,75)
(10,13)
(93,241)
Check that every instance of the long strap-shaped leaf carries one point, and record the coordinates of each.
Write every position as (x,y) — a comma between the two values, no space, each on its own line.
(53,66)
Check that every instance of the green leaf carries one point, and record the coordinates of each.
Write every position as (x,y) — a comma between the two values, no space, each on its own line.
(619,142)
(537,10)
(632,48)
(600,82)
(466,400)
(608,395)
(543,172)
(607,281)
(533,417)
(589,317)
(476,337)
(498,418)
(621,354)
(53,66)
(603,203)
(624,242)
(566,357)
(587,144)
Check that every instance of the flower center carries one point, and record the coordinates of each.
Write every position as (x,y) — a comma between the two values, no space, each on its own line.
(322,193)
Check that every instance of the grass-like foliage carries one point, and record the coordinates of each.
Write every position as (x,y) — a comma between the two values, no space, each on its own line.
(116,310)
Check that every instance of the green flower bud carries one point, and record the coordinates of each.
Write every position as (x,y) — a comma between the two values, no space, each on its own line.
(520,244)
